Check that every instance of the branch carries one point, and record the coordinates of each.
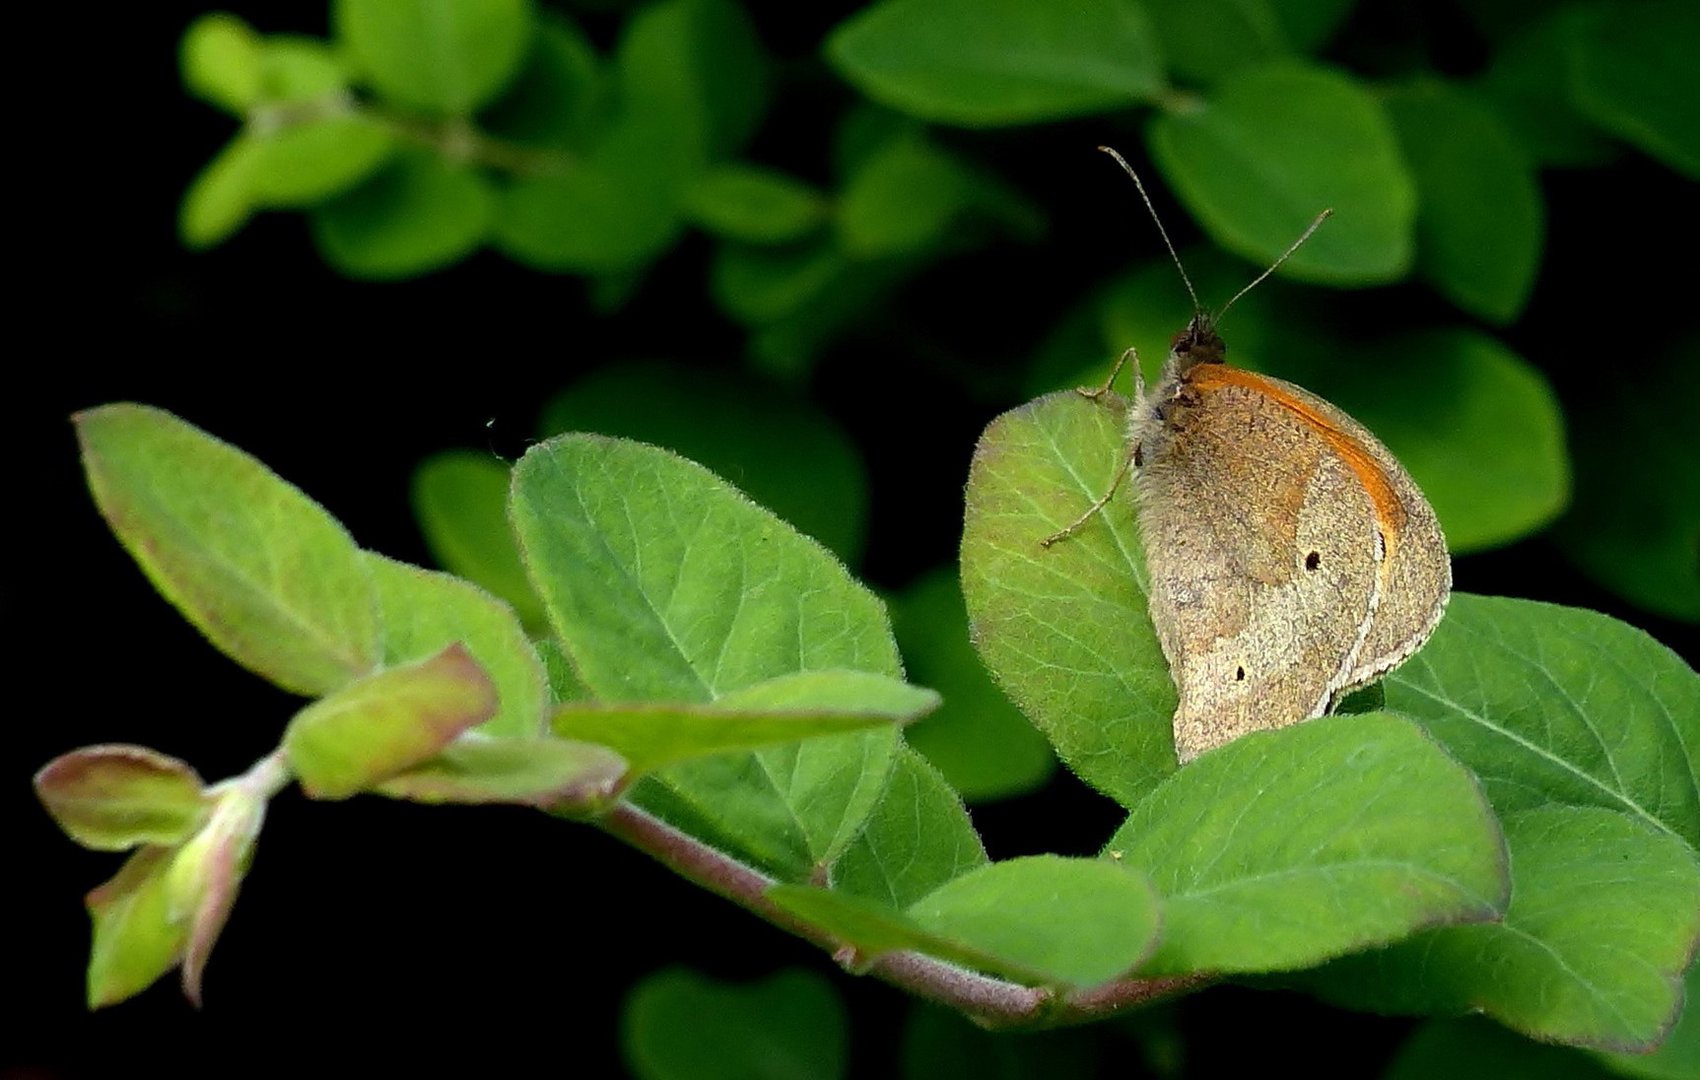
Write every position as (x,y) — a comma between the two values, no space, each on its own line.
(991,1002)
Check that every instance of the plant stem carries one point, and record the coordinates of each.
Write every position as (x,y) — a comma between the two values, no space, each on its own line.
(991,1002)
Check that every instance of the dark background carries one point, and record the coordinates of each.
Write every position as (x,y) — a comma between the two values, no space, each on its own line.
(426,934)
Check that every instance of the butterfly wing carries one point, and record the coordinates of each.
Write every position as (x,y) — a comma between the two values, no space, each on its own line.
(1260,541)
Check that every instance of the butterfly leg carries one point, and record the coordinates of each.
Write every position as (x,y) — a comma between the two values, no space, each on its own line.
(1074,526)
(1096,392)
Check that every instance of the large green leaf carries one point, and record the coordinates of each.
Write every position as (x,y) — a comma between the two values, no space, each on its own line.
(1041,919)
(1635,524)
(436,56)
(678,1025)
(777,446)
(418,213)
(423,611)
(1064,629)
(1284,848)
(1260,156)
(982,744)
(1604,917)
(460,498)
(271,579)
(665,584)
(1633,74)
(1480,217)
(982,64)
(1549,704)
(1678,1057)
(917,838)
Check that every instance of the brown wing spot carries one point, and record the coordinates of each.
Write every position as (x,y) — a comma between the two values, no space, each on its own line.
(1389,512)
(1313,560)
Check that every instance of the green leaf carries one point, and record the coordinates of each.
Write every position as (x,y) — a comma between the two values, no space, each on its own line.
(1549,704)
(1480,218)
(786,709)
(984,64)
(1528,83)
(779,448)
(760,286)
(1205,41)
(138,936)
(1678,1057)
(554,774)
(1041,919)
(1284,848)
(1064,629)
(664,583)
(697,66)
(418,213)
(271,579)
(1075,921)
(902,200)
(1476,1049)
(301,70)
(746,202)
(1604,917)
(222,61)
(112,798)
(1633,74)
(678,1025)
(424,611)
(942,1044)
(222,196)
(983,745)
(387,723)
(1476,425)
(917,838)
(304,163)
(460,499)
(442,57)
(612,212)
(1634,526)
(1271,148)
(560,97)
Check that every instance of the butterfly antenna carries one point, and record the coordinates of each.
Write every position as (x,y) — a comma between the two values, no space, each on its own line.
(1276,265)
(1196,306)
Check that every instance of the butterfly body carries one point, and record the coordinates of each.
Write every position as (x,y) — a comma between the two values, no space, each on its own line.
(1290,557)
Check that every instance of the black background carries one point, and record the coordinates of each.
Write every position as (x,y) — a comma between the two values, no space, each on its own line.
(378,933)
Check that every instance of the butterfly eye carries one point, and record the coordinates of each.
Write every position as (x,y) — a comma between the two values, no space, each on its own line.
(1312,561)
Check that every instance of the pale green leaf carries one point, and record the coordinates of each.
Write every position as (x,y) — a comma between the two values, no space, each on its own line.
(270,578)
(917,838)
(416,214)
(443,57)
(387,723)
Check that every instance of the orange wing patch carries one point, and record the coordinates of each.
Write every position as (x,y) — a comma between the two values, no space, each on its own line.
(1389,511)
